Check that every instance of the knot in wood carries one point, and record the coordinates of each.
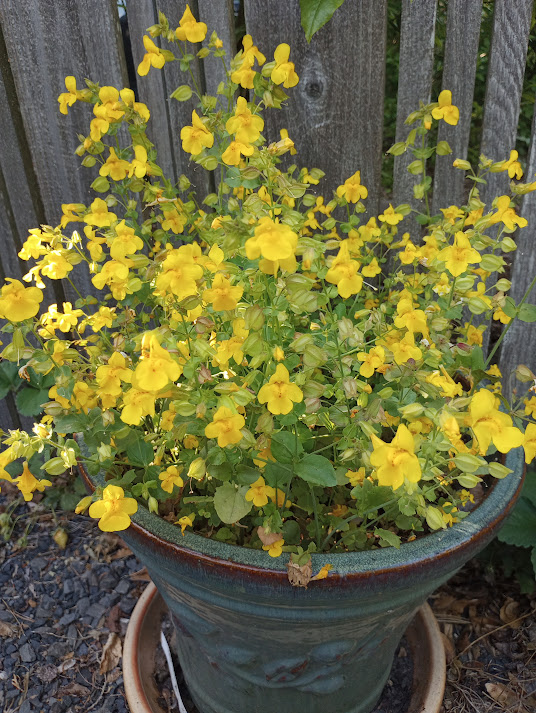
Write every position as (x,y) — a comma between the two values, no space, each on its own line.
(314,88)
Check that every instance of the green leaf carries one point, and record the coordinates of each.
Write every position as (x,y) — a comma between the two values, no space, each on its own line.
(230,502)
(291,532)
(316,470)
(468,480)
(468,462)
(9,377)
(29,401)
(140,453)
(315,14)
(284,447)
(387,538)
(510,307)
(527,313)
(477,359)
(72,423)
(520,527)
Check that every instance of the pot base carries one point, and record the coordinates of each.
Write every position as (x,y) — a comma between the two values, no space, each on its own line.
(143,638)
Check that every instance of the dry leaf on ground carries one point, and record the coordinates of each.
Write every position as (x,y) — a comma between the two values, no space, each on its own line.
(7,629)
(111,653)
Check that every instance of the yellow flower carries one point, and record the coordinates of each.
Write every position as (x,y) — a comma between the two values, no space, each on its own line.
(103,318)
(273,240)
(442,381)
(222,295)
(190,442)
(507,215)
(157,369)
(197,136)
(446,110)
(396,460)
(405,349)
(372,269)
(69,97)
(283,72)
(114,510)
(171,477)
(174,220)
(185,521)
(109,377)
(355,477)
(114,167)
(529,442)
(452,214)
(275,548)
(448,514)
(530,406)
(27,483)
(17,302)
(179,274)
(352,189)
(512,166)
(234,152)
(244,75)
(245,126)
(137,403)
(139,166)
(114,274)
(259,493)
(278,354)
(99,214)
(280,394)
(225,427)
(343,273)
(458,256)
(390,216)
(189,29)
(129,98)
(324,572)
(371,361)
(152,58)
(414,320)
(126,242)
(491,425)
(410,253)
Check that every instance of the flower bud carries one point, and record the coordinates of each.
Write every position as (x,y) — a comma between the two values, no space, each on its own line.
(524,374)
(197,469)
(278,354)
(83,504)
(152,504)
(461,164)
(254,317)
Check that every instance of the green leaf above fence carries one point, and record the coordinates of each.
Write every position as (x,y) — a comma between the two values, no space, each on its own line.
(315,14)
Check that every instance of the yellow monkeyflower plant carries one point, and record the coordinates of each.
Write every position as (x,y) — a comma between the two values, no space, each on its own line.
(263,364)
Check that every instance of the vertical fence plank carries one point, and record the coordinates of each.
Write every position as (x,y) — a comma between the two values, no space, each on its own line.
(459,71)
(168,116)
(20,199)
(519,345)
(335,113)
(46,41)
(219,16)
(417,35)
(511,26)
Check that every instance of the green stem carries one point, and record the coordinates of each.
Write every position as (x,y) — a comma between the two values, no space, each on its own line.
(505,331)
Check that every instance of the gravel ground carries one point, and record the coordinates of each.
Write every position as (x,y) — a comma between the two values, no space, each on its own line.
(63,616)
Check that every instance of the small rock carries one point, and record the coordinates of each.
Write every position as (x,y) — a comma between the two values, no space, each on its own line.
(27,654)
(123,587)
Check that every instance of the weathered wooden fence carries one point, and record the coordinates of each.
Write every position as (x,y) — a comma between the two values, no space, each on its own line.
(335,115)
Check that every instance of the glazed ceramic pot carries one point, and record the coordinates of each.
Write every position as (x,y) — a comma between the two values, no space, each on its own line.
(249,642)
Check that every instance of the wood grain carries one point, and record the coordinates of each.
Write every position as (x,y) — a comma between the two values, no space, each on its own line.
(335,114)
(459,70)
(168,116)
(417,34)
(519,345)
(46,41)
(508,54)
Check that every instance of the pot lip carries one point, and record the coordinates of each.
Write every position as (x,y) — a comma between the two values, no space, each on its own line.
(480,525)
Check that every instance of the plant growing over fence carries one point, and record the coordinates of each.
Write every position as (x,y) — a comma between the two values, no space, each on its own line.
(255,368)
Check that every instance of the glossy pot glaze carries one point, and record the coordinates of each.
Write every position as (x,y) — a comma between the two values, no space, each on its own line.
(249,642)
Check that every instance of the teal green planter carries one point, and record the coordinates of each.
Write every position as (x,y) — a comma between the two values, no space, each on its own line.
(249,642)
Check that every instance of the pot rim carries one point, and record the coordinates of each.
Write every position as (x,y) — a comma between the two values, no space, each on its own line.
(480,525)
